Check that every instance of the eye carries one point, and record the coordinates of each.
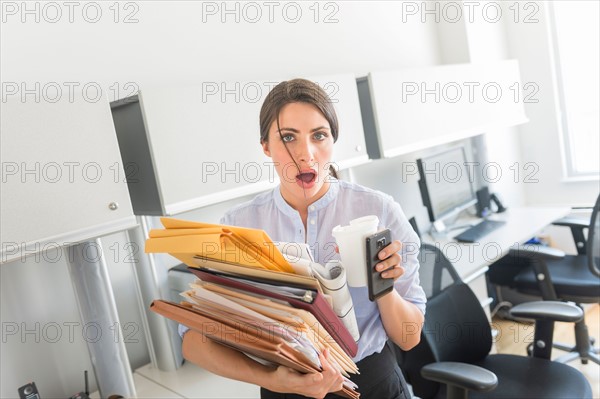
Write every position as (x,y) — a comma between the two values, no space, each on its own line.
(320,136)
(286,138)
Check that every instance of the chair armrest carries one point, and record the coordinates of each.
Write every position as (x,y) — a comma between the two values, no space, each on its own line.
(548,310)
(572,222)
(462,375)
(536,251)
(577,226)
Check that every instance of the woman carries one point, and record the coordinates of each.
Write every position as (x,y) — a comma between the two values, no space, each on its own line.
(298,127)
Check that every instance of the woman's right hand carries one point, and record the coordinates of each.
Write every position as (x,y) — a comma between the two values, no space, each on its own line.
(313,385)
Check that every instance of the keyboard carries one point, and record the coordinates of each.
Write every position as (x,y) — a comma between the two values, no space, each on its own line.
(478,231)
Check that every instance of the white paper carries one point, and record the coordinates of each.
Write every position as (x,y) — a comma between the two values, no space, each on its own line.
(334,283)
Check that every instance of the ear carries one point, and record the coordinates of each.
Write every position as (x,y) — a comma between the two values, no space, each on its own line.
(265,146)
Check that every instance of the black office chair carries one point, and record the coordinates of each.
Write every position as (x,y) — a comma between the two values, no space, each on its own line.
(552,275)
(452,360)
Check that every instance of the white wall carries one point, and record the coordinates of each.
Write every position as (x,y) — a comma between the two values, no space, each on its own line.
(487,41)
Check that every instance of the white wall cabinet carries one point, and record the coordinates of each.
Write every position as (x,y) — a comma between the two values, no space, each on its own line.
(417,108)
(62,177)
(194,145)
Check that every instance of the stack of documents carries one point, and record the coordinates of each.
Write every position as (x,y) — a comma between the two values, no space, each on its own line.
(249,298)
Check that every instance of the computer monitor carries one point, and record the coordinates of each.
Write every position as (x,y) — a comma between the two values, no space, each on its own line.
(445,184)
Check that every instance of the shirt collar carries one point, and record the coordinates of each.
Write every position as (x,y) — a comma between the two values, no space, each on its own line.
(330,195)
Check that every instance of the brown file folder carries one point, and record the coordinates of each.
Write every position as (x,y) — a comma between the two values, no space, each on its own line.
(242,337)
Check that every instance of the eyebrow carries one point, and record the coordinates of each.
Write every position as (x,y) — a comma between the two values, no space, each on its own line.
(289,129)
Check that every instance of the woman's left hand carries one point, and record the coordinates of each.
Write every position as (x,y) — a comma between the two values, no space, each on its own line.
(390,259)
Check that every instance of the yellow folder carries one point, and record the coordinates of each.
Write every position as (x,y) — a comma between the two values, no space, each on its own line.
(247,247)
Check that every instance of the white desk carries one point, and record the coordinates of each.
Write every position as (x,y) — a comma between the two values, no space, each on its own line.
(472,260)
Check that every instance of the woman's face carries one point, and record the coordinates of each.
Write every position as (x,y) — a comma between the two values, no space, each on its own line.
(307,135)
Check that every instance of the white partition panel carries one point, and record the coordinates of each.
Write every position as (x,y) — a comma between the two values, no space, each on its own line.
(199,144)
(422,107)
(62,176)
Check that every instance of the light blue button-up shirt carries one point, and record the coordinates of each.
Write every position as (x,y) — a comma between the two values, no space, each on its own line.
(343,202)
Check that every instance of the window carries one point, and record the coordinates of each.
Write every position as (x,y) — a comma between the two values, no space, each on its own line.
(575,31)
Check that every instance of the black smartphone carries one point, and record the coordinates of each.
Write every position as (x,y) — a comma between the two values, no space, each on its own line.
(378,286)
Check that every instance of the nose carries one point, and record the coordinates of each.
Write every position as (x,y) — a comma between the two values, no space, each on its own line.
(305,152)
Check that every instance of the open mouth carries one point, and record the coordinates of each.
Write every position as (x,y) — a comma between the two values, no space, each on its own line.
(306,177)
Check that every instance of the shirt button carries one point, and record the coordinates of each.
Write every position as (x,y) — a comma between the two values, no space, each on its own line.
(311,208)
(312,221)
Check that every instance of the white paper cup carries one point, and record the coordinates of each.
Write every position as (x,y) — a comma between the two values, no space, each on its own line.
(351,241)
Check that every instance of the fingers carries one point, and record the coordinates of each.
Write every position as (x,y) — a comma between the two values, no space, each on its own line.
(325,360)
(394,247)
(394,273)
(331,377)
(390,261)
(337,380)
(313,385)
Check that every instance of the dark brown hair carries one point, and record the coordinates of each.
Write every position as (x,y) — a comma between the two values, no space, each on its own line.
(294,91)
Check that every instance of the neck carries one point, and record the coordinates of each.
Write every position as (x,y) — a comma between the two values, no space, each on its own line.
(301,204)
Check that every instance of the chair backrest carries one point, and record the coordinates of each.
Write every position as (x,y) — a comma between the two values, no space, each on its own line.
(436,273)
(456,327)
(593,246)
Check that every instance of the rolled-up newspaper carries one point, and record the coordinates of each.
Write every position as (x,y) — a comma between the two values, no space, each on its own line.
(333,281)
(332,278)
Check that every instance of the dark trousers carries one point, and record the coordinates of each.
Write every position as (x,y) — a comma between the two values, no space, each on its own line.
(379,378)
